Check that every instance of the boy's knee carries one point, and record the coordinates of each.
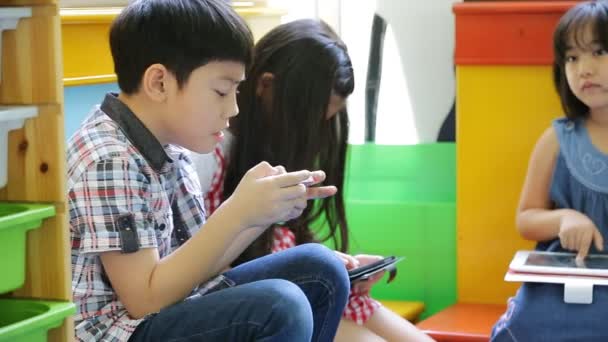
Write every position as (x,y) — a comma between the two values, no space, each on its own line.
(324,258)
(325,262)
(289,306)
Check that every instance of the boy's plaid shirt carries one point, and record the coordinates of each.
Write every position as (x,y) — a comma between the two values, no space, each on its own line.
(120,177)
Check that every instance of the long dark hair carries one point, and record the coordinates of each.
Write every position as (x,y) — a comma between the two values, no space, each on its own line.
(308,62)
(570,29)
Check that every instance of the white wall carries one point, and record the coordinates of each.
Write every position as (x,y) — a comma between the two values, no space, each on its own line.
(417,86)
(424,32)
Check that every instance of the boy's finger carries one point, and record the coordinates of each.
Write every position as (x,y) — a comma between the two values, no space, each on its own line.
(262,169)
(280,170)
(316,177)
(321,192)
(291,178)
(298,203)
(293,192)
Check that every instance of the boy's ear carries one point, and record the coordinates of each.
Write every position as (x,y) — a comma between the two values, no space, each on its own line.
(264,84)
(155,81)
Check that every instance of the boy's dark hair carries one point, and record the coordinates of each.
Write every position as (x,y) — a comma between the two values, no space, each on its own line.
(182,35)
(571,29)
(309,62)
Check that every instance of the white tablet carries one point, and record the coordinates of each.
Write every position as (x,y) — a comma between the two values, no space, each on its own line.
(559,263)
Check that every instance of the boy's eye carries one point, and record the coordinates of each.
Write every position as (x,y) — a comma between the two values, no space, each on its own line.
(221,94)
(600,52)
(570,59)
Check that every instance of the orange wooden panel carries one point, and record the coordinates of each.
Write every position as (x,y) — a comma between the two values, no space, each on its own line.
(514,33)
(463,322)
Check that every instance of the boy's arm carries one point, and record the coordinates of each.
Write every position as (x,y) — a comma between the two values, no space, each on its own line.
(242,241)
(145,283)
(535,219)
(246,237)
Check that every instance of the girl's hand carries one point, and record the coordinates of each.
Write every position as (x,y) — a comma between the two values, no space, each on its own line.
(349,261)
(577,232)
(365,286)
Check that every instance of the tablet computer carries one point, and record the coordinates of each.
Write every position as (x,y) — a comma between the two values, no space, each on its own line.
(364,272)
(559,263)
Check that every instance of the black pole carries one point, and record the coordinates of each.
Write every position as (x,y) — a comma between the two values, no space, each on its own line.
(374,71)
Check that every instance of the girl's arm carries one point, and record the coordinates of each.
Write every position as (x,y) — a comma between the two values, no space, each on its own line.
(535,219)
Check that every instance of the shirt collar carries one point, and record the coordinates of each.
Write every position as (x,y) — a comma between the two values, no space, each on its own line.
(135,130)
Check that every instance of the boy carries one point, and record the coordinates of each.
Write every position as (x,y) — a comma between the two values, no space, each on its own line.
(136,209)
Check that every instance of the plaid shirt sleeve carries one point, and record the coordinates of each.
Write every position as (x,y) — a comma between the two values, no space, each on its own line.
(109,208)
(188,196)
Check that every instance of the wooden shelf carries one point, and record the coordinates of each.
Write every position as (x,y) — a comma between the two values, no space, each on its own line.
(9,17)
(31,65)
(36,159)
(32,75)
(11,118)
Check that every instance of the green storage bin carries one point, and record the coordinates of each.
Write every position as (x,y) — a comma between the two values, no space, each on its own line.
(29,320)
(400,200)
(15,220)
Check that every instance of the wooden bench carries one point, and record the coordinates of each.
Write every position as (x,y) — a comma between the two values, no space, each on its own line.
(463,322)
(408,310)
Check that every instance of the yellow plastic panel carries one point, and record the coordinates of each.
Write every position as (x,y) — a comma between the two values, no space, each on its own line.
(501,112)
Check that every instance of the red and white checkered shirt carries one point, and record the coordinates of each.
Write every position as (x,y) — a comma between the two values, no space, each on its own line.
(122,185)
(360,306)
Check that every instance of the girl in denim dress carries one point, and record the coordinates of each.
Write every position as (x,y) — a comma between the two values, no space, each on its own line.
(564,202)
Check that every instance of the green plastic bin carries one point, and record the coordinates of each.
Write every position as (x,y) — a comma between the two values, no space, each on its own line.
(400,200)
(29,320)
(15,220)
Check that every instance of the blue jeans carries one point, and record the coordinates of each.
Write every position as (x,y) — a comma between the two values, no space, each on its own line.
(295,295)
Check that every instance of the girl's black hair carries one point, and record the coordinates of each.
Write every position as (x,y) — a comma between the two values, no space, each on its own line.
(309,62)
(570,30)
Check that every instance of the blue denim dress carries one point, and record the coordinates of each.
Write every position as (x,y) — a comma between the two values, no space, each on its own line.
(538,312)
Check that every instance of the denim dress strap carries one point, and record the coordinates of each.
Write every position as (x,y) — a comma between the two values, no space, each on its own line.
(584,161)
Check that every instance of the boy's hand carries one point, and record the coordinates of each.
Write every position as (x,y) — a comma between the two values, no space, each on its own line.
(316,192)
(267,194)
(577,232)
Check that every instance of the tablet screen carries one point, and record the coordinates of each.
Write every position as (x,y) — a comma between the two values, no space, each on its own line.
(567,261)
